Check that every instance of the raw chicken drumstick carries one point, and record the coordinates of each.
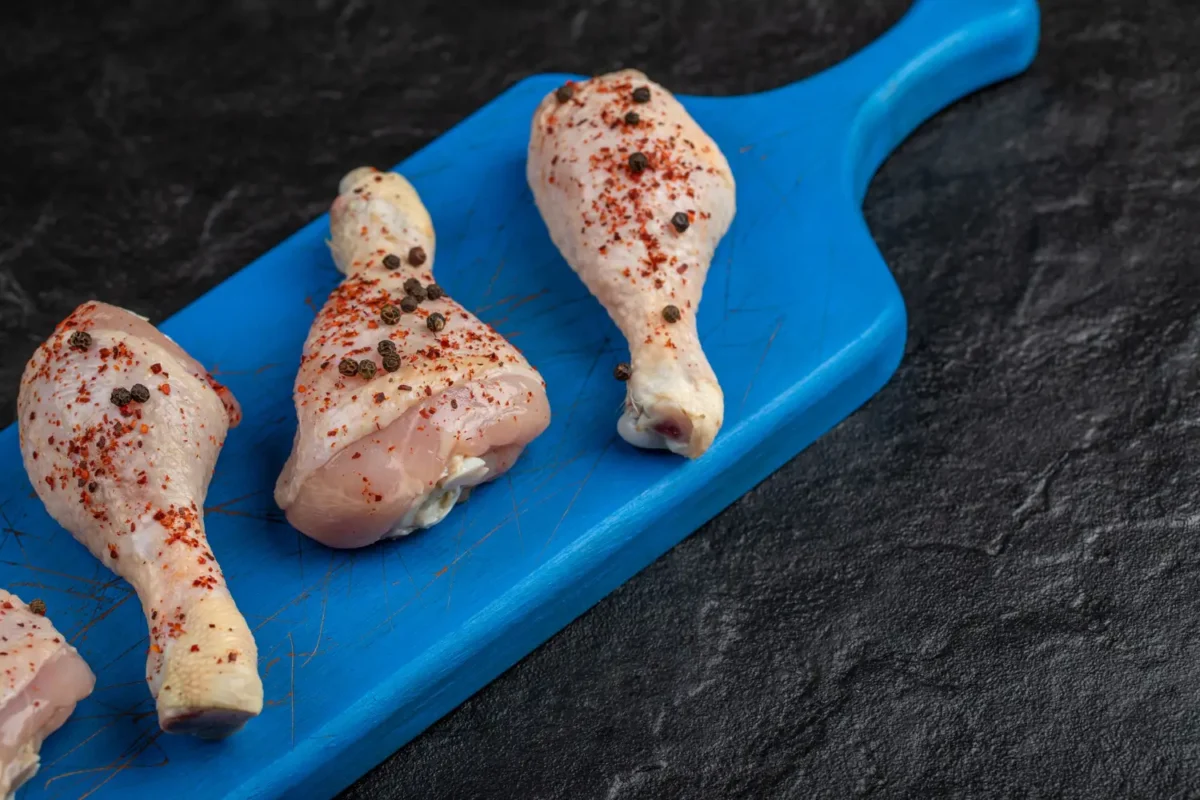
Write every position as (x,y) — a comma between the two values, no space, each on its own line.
(405,399)
(120,430)
(636,196)
(43,678)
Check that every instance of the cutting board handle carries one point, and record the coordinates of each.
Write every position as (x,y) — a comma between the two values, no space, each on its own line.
(940,51)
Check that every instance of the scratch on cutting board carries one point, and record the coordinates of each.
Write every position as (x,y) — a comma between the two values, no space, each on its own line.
(407,571)
(98,592)
(292,693)
(579,491)
(761,359)
(579,395)
(44,588)
(481,310)
(223,508)
(136,645)
(454,564)
(512,494)
(513,302)
(495,275)
(440,573)
(324,607)
(555,468)
(100,617)
(117,769)
(782,195)
(11,531)
(114,719)
(304,594)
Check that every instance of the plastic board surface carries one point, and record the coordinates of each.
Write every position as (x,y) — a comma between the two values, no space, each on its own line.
(361,651)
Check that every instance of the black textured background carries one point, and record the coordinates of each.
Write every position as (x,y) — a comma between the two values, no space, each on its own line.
(982,584)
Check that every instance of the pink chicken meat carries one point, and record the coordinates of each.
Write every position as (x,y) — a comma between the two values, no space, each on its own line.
(43,678)
(405,399)
(120,431)
(636,197)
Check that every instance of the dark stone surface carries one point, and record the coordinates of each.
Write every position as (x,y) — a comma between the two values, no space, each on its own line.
(983,583)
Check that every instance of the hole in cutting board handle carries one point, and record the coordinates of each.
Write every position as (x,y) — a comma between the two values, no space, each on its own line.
(939,52)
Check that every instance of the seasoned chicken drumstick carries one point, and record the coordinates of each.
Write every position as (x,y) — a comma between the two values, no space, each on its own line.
(43,679)
(636,197)
(120,430)
(405,399)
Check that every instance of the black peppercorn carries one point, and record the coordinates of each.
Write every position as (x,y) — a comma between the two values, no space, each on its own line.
(408,304)
(80,340)
(367,368)
(38,607)
(386,346)
(671,314)
(391,261)
(564,93)
(638,162)
(391,361)
(389,314)
(139,393)
(434,292)
(641,94)
(348,367)
(680,220)
(416,256)
(120,396)
(622,371)
(414,289)
(435,322)
(632,118)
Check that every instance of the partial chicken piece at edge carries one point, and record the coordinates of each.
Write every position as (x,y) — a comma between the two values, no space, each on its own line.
(44,677)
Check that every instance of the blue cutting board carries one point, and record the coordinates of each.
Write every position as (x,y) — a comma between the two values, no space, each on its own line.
(361,651)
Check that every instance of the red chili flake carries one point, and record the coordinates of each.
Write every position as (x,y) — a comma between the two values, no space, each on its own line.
(156,368)
(195,648)
(165,388)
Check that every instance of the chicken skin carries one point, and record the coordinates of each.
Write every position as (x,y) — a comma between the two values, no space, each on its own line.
(636,197)
(405,399)
(120,431)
